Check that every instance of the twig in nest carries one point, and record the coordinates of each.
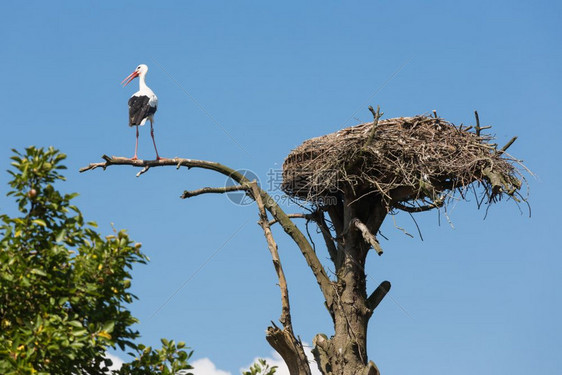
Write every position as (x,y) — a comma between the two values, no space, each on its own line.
(477,127)
(376,116)
(400,159)
(439,202)
(417,226)
(449,219)
(400,228)
(507,145)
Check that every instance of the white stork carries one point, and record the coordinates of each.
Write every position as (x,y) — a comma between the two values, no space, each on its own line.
(142,105)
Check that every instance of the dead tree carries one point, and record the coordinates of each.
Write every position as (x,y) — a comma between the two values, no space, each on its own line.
(352,180)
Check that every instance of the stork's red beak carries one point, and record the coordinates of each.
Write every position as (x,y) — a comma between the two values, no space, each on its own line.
(129,78)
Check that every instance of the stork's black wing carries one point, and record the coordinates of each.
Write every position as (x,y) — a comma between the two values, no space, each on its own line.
(139,109)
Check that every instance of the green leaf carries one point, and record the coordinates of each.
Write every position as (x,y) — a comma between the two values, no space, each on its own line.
(38,272)
(81,332)
(39,222)
(59,310)
(60,235)
(76,323)
(108,327)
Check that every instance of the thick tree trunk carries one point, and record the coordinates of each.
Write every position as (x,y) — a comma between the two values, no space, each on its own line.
(345,353)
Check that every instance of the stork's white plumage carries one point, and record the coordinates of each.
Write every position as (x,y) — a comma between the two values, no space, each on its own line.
(142,105)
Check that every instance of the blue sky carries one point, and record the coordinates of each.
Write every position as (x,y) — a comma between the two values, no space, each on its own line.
(243,83)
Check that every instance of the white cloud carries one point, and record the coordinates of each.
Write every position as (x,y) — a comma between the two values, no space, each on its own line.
(276,360)
(117,362)
(204,366)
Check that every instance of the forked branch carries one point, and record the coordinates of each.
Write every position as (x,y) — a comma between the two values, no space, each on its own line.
(272,246)
(283,341)
(270,205)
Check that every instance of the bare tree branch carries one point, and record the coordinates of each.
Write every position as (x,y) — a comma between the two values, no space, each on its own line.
(438,203)
(327,235)
(215,190)
(272,246)
(376,116)
(507,145)
(177,162)
(286,346)
(477,127)
(378,294)
(283,341)
(292,216)
(367,235)
(306,249)
(270,205)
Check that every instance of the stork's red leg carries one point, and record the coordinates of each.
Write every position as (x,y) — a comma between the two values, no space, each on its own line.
(153,141)
(136,145)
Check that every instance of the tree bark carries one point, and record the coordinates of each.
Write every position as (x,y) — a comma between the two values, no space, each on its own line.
(356,222)
(345,352)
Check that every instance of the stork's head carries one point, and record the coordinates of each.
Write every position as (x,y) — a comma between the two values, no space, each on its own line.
(139,71)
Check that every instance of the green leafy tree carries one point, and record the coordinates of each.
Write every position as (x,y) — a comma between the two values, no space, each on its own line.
(170,360)
(260,367)
(63,287)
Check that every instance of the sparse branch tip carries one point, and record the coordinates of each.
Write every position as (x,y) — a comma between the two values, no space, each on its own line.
(212,190)
(477,127)
(413,209)
(507,145)
(376,117)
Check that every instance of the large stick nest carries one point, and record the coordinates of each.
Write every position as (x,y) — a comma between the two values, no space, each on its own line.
(420,160)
